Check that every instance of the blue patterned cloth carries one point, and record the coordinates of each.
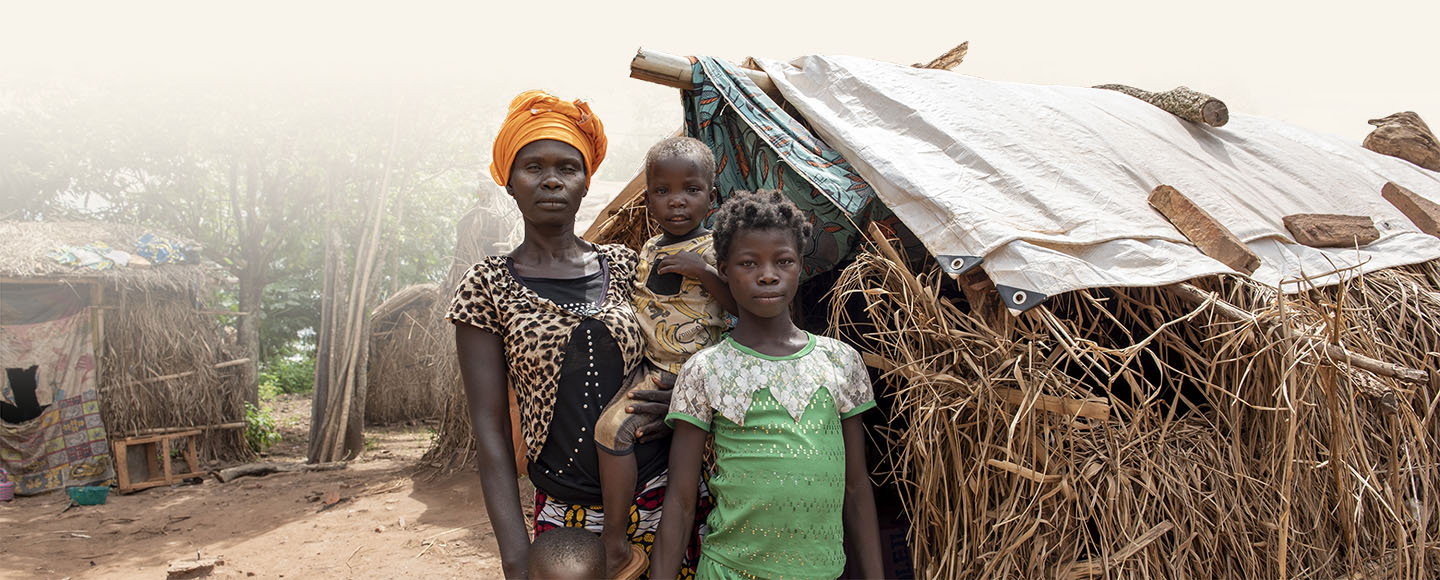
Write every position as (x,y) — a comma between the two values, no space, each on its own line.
(161,250)
(757,145)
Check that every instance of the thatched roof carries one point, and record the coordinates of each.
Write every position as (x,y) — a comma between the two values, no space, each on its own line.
(420,296)
(25,249)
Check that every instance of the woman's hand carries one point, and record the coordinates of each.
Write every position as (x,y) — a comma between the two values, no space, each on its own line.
(656,402)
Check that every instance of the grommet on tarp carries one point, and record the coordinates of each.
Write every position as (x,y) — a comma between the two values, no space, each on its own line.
(1020,300)
(957,264)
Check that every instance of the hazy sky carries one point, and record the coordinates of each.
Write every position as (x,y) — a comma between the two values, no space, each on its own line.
(1327,66)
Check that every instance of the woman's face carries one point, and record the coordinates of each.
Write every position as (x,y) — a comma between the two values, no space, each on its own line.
(547,180)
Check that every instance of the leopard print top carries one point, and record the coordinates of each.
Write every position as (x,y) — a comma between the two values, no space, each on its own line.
(535,330)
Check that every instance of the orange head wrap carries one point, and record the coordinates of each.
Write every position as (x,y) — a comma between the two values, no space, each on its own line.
(537,115)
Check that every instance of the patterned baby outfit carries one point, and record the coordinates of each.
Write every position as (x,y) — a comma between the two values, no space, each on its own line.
(779,480)
(678,317)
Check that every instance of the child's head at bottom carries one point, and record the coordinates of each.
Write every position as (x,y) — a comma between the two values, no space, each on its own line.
(760,238)
(566,554)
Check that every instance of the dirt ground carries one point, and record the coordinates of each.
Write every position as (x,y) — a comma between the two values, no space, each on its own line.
(393,520)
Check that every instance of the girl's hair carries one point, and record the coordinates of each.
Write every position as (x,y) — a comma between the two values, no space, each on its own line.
(681,147)
(760,210)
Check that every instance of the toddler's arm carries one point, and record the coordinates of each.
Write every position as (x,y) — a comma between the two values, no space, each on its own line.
(861,524)
(678,515)
(692,265)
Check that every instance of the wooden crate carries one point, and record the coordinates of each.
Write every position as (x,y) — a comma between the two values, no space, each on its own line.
(156,451)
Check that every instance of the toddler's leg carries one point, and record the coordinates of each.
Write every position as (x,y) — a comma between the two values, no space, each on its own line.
(615,438)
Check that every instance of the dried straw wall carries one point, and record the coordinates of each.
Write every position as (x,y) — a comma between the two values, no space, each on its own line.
(406,353)
(1130,433)
(150,334)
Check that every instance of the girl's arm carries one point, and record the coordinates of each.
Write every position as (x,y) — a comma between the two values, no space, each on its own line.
(483,369)
(860,521)
(678,516)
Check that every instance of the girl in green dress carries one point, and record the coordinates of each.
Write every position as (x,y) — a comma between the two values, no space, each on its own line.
(782,408)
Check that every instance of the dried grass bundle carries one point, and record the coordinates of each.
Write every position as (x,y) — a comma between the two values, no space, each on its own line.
(405,336)
(1131,433)
(159,334)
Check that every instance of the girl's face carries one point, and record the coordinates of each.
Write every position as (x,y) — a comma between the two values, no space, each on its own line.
(547,181)
(763,271)
(678,194)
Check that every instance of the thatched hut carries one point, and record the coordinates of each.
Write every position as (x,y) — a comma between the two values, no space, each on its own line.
(1070,385)
(130,344)
(404,333)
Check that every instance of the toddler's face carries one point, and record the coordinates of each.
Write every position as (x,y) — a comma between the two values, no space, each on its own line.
(678,194)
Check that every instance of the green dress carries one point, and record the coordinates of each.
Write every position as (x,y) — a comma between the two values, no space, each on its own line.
(779,481)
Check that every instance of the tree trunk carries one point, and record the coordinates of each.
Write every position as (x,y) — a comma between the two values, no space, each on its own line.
(252,288)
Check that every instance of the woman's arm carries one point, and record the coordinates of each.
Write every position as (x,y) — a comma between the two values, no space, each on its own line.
(483,370)
(677,518)
(692,265)
(860,521)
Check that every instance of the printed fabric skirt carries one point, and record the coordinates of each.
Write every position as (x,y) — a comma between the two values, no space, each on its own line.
(644,518)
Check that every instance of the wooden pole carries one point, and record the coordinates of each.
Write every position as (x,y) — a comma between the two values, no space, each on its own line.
(1183,102)
(675,71)
(165,430)
(1334,352)
(226,364)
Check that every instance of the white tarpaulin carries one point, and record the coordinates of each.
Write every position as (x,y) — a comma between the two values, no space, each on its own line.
(1048,184)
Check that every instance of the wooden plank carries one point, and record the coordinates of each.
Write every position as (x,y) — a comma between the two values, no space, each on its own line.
(1331,230)
(167,476)
(122,465)
(1092,408)
(1425,214)
(1405,136)
(192,458)
(1203,230)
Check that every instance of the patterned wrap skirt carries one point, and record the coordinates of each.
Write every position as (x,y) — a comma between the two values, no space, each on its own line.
(644,518)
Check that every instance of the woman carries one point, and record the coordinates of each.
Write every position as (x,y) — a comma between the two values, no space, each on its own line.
(554,318)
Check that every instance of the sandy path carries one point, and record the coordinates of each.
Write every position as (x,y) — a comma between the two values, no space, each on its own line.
(391,522)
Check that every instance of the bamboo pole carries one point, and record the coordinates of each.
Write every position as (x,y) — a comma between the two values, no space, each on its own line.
(675,71)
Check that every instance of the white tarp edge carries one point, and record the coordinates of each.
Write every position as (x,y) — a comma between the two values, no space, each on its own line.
(1049,184)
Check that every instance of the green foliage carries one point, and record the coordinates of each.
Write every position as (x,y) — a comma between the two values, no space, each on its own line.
(260,429)
(288,374)
(255,177)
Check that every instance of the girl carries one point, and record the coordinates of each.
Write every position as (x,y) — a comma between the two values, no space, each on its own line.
(782,407)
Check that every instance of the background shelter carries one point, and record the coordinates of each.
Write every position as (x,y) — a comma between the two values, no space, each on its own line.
(403,357)
(140,351)
(1210,424)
